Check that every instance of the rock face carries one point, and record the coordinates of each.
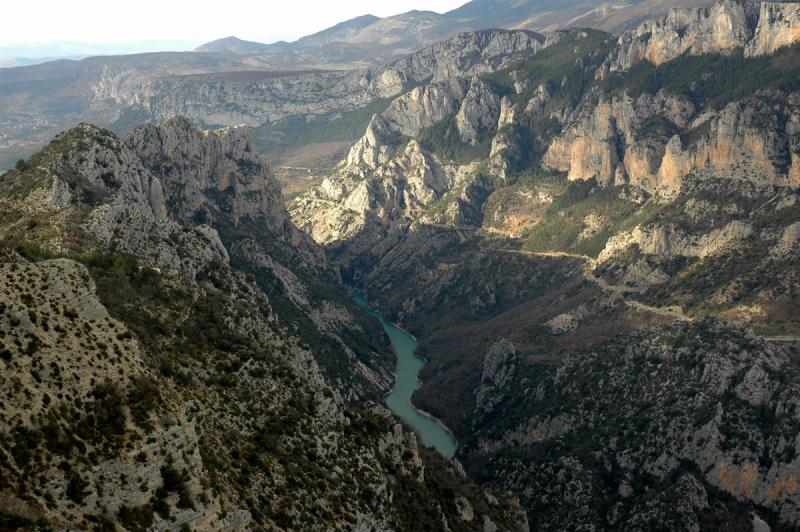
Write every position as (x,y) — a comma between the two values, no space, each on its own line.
(667,241)
(139,195)
(424,107)
(389,178)
(206,163)
(215,177)
(693,449)
(778,25)
(759,29)
(498,369)
(479,113)
(270,98)
(654,142)
(88,189)
(350,203)
(179,367)
(468,54)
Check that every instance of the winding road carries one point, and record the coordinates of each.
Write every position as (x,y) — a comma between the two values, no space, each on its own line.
(675,313)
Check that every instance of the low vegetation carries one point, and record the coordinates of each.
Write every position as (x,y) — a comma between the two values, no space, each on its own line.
(565,71)
(568,224)
(296,131)
(445,140)
(712,80)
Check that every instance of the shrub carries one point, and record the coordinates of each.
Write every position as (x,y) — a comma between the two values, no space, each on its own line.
(76,488)
(175,481)
(108,413)
(137,519)
(142,399)
(712,79)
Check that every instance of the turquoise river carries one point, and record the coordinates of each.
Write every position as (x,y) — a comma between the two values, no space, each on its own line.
(431,431)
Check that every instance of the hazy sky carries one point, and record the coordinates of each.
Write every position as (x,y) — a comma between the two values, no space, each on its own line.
(198,21)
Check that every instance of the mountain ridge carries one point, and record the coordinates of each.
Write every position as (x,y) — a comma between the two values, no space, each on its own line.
(530,223)
(203,358)
(55,101)
(472,16)
(594,239)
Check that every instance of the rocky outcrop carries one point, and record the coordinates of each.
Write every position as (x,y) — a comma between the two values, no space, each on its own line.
(479,112)
(400,447)
(89,190)
(215,177)
(778,26)
(354,199)
(612,141)
(468,54)
(475,105)
(654,142)
(728,25)
(497,372)
(389,178)
(668,241)
(202,164)
(426,106)
(163,184)
(578,404)
(375,147)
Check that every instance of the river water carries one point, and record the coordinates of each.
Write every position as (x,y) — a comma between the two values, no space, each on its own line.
(430,430)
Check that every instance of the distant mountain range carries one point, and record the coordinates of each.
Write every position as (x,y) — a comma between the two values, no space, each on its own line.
(220,83)
(370,37)
(33,54)
(338,33)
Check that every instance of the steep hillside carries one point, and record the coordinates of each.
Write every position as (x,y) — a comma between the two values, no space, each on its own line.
(667,428)
(293,108)
(231,81)
(167,364)
(421,158)
(341,32)
(544,226)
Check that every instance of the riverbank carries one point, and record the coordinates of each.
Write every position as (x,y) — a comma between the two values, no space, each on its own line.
(431,430)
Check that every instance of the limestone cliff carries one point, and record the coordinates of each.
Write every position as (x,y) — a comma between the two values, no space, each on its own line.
(653,142)
(217,178)
(390,178)
(160,374)
(759,29)
(261,98)
(88,190)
